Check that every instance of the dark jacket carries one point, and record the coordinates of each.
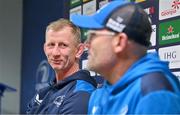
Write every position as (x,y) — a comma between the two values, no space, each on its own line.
(69,96)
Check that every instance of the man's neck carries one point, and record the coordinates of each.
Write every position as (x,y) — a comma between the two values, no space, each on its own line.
(60,75)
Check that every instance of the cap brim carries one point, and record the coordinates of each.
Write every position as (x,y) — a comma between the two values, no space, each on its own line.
(87,22)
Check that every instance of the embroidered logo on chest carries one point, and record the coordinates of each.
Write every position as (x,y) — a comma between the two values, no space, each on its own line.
(59,100)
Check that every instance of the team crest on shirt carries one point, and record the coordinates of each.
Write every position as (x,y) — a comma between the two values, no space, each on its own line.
(59,100)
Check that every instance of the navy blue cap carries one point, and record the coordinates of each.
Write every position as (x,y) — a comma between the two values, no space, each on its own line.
(119,16)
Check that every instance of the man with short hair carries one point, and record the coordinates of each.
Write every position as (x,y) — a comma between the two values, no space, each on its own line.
(136,82)
(70,91)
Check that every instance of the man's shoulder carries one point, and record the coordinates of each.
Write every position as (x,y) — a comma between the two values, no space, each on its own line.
(155,81)
(84,80)
(82,85)
(159,102)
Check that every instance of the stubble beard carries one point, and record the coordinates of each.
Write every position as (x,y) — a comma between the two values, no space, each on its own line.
(91,65)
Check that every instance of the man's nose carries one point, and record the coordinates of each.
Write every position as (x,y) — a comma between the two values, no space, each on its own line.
(56,51)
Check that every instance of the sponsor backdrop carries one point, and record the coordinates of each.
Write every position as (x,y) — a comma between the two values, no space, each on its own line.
(36,72)
(165,18)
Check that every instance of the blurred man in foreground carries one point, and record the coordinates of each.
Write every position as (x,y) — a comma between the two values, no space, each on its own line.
(137,82)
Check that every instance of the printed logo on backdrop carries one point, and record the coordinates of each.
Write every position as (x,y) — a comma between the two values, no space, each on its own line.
(169,9)
(76,10)
(89,8)
(169,32)
(171,54)
(75,6)
(153,36)
(74,3)
(43,75)
(102,3)
(150,11)
(151,8)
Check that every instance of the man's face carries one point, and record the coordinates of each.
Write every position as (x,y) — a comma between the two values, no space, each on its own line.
(100,50)
(61,49)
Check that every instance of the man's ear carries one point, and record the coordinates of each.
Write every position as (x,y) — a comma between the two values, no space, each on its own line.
(120,42)
(80,50)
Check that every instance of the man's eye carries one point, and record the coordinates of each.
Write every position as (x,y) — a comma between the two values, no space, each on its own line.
(50,44)
(63,45)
